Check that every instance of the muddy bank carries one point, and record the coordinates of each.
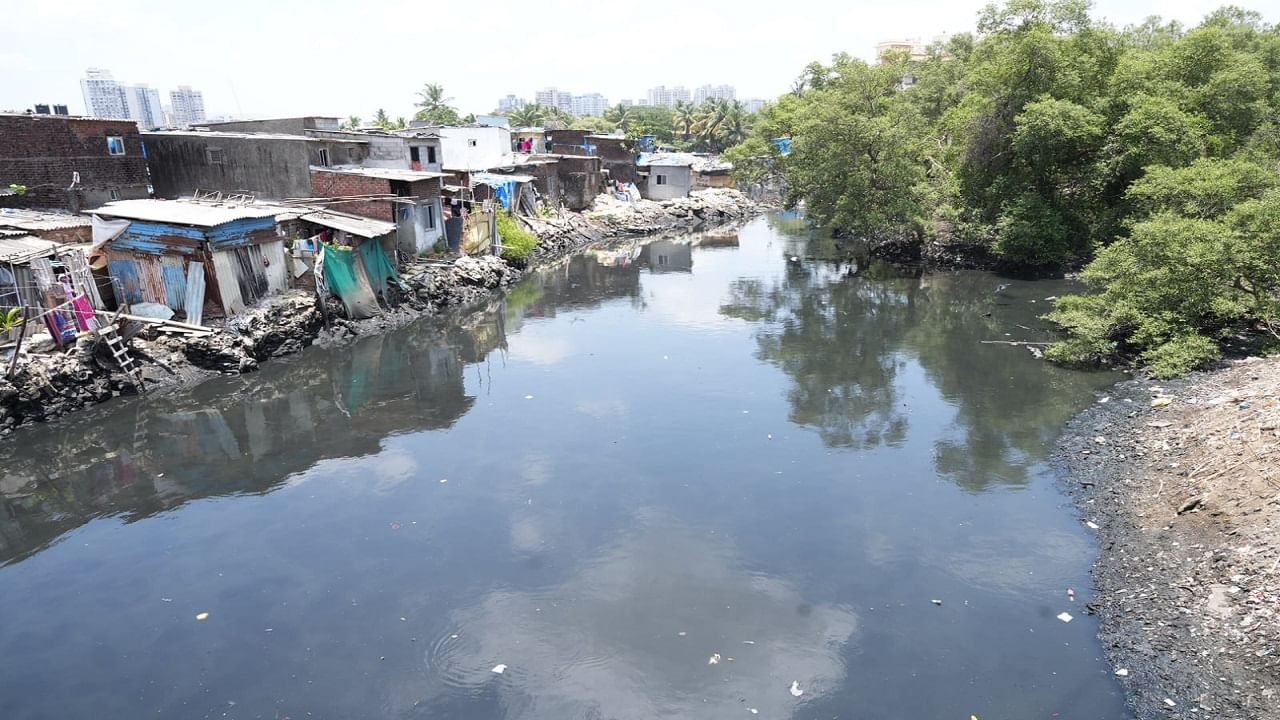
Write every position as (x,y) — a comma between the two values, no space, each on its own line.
(1181,483)
(49,385)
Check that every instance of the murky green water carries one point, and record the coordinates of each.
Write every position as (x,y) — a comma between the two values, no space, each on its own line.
(641,461)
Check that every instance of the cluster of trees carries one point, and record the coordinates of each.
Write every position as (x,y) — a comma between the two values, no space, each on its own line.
(1050,139)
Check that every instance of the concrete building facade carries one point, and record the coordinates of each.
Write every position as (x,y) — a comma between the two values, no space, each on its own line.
(590,105)
(70,163)
(103,96)
(265,165)
(662,96)
(187,105)
(143,105)
(714,92)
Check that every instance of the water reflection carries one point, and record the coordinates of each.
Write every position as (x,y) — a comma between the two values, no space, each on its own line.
(632,633)
(846,331)
(250,434)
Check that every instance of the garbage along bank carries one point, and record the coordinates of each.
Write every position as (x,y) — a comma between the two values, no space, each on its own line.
(1179,481)
(46,385)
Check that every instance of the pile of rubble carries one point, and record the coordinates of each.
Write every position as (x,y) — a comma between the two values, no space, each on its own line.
(611,217)
(1182,483)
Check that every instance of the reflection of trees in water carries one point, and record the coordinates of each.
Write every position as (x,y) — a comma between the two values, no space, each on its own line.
(842,333)
(1009,406)
(836,337)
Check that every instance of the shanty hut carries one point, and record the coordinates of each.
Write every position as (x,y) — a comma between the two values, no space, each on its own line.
(189,254)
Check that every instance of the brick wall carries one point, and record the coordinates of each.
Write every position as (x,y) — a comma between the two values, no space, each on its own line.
(325,183)
(43,152)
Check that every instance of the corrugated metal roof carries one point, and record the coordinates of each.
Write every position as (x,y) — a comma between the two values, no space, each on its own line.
(24,219)
(186,212)
(24,248)
(384,173)
(354,224)
(701,163)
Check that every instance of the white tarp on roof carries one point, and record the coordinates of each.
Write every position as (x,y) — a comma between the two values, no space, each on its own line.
(359,226)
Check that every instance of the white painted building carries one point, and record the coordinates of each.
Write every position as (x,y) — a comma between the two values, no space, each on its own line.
(188,106)
(103,96)
(143,105)
(714,92)
(474,147)
(753,105)
(662,96)
(590,105)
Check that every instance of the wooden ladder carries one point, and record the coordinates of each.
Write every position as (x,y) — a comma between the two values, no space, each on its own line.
(120,352)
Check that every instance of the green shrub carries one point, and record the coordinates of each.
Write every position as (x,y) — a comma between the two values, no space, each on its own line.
(517,243)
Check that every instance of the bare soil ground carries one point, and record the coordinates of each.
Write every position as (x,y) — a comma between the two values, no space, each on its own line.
(1181,482)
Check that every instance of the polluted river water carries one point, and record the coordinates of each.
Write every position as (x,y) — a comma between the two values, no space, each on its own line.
(720,476)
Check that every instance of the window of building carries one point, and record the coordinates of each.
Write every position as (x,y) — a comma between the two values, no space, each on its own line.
(414,155)
(113,194)
(431,154)
(661,179)
(431,217)
(115,145)
(471,143)
(216,156)
(324,157)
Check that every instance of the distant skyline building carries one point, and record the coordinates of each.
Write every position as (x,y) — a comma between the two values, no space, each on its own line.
(103,96)
(662,96)
(552,97)
(511,103)
(143,104)
(187,106)
(590,105)
(716,92)
(753,105)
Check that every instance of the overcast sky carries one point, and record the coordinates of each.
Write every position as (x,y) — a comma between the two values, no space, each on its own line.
(265,58)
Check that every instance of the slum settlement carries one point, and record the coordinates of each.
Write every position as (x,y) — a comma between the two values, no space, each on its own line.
(108,233)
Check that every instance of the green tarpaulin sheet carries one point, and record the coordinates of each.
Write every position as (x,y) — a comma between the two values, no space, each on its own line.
(378,267)
(345,276)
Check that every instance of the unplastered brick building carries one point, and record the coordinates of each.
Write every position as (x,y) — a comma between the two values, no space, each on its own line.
(70,163)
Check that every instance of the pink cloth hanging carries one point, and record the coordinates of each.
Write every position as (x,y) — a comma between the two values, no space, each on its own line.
(85,319)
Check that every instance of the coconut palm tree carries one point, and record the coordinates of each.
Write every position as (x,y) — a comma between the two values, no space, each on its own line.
(528,116)
(621,116)
(353,122)
(381,119)
(433,106)
(685,116)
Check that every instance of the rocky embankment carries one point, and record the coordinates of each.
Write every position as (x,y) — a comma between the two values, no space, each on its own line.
(1181,482)
(47,385)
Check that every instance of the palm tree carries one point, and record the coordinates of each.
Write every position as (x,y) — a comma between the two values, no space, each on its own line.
(400,123)
(433,106)
(685,117)
(528,116)
(621,116)
(353,122)
(381,120)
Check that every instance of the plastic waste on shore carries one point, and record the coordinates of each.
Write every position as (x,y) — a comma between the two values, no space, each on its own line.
(1122,672)
(1161,401)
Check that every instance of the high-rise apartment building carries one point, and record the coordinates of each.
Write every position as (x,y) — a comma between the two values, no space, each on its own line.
(511,103)
(714,92)
(103,96)
(143,105)
(663,96)
(753,105)
(188,106)
(551,97)
(590,105)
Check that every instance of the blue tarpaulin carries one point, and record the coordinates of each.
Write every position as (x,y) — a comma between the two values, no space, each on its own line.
(783,145)
(504,186)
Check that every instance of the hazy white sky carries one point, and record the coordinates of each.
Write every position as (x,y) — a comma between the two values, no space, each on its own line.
(267,58)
